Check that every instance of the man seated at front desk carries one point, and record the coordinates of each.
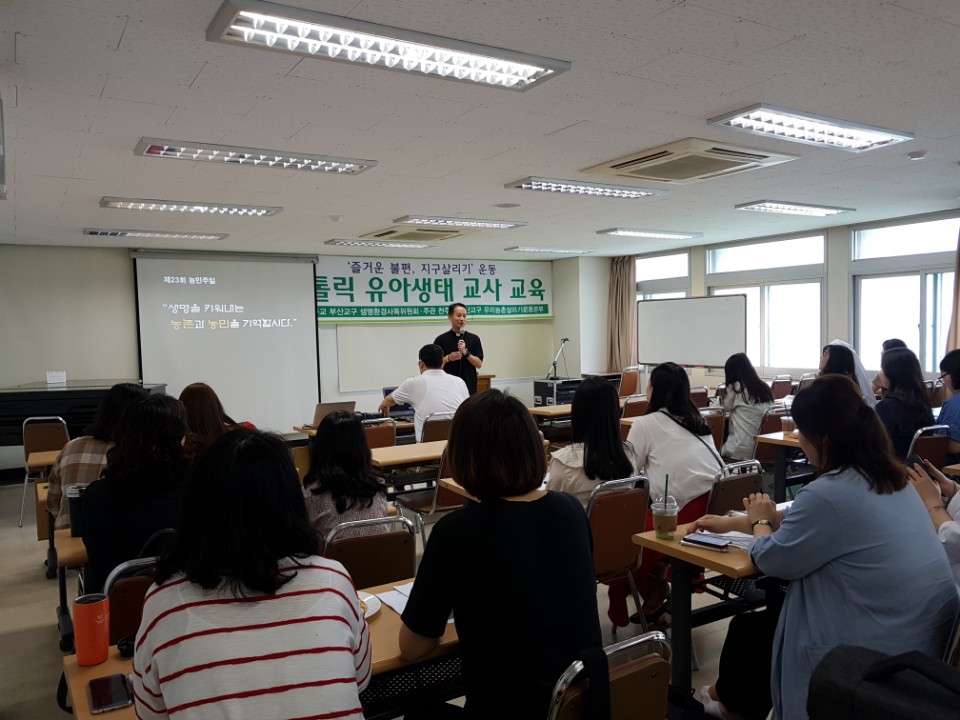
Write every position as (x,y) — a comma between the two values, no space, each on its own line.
(431,391)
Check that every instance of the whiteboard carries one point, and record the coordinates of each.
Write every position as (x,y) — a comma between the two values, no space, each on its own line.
(702,331)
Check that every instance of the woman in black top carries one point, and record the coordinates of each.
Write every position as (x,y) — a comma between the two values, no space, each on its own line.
(905,407)
(141,490)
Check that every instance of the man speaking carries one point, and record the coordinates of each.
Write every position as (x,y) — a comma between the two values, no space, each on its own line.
(463,352)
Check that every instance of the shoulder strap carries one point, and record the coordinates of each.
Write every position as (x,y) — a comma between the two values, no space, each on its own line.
(713,450)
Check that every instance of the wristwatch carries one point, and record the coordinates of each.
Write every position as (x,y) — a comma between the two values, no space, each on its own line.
(761,521)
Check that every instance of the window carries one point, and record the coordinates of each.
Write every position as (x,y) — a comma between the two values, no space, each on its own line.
(663,276)
(753,317)
(933,236)
(770,254)
(903,288)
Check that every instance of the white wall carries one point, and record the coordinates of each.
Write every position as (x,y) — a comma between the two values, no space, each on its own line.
(594,291)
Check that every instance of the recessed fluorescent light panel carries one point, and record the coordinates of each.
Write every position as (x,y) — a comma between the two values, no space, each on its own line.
(574,187)
(156,234)
(790,208)
(553,251)
(250,157)
(381,244)
(330,37)
(810,129)
(656,234)
(433,220)
(188,208)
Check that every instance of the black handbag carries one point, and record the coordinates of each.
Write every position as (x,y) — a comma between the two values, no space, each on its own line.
(855,683)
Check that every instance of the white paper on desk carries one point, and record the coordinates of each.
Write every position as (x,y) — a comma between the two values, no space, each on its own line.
(736,538)
(397,598)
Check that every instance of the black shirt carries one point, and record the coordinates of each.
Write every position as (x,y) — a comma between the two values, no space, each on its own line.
(901,423)
(461,368)
(519,579)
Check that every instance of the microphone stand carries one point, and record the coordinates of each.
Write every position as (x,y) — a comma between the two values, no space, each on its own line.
(552,372)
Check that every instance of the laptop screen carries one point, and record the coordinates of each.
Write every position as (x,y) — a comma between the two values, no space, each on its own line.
(324,409)
(401,411)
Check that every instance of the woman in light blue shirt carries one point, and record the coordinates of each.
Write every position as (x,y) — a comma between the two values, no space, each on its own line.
(864,565)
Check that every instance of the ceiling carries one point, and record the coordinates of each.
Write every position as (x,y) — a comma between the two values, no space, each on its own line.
(82,82)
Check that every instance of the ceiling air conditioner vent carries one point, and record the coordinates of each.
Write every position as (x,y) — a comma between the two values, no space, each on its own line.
(688,161)
(414,234)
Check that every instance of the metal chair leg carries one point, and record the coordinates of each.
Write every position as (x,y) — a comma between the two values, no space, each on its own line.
(23,497)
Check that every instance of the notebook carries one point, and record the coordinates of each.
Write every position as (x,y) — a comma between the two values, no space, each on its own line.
(399,411)
(324,409)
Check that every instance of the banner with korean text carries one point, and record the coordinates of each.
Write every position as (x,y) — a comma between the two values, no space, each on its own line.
(353,289)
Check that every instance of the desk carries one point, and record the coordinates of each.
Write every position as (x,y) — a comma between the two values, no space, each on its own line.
(953,470)
(782,445)
(687,563)
(71,553)
(414,454)
(403,426)
(41,462)
(384,644)
(455,487)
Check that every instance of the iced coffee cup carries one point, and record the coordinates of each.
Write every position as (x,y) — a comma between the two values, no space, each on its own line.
(665,517)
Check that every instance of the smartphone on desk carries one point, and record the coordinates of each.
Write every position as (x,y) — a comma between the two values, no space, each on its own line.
(704,540)
(109,693)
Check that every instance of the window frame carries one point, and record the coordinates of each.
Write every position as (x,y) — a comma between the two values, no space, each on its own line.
(660,285)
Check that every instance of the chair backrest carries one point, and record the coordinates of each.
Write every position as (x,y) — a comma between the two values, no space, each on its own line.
(769,423)
(732,484)
(635,405)
(629,380)
(443,498)
(951,654)
(716,420)
(380,432)
(42,433)
(700,396)
(936,393)
(639,678)
(378,559)
(436,427)
(126,586)
(301,459)
(720,391)
(781,386)
(931,443)
(805,380)
(616,510)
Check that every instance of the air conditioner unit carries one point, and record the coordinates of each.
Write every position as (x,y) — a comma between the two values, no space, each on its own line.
(415,234)
(688,161)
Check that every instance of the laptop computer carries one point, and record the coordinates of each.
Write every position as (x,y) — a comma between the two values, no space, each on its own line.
(399,411)
(324,409)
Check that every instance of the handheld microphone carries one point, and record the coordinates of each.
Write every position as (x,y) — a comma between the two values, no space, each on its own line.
(564,340)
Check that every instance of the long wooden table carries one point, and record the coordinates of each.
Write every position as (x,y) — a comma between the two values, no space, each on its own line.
(384,645)
(413,454)
(688,563)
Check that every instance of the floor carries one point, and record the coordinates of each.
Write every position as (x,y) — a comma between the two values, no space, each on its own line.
(30,661)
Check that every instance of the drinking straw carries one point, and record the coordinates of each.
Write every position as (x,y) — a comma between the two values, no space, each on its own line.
(666,487)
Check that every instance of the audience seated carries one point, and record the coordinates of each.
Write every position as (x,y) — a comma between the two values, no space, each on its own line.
(596,453)
(432,391)
(206,418)
(246,620)
(82,460)
(142,488)
(887,345)
(839,358)
(672,440)
(905,407)
(746,399)
(950,412)
(492,562)
(935,489)
(856,545)
(341,485)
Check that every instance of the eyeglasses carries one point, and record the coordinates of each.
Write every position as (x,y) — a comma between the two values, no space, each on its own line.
(943,376)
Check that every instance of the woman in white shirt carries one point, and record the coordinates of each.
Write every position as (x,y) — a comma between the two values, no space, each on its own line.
(672,440)
(596,453)
(746,399)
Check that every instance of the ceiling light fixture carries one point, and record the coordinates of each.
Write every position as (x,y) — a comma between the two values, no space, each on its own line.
(191,208)
(459,222)
(656,234)
(792,208)
(810,129)
(381,244)
(269,26)
(250,157)
(555,251)
(158,234)
(575,187)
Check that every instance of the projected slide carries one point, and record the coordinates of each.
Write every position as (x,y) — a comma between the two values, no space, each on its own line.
(246,328)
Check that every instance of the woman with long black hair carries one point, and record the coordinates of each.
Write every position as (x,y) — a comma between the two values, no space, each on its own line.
(905,407)
(746,399)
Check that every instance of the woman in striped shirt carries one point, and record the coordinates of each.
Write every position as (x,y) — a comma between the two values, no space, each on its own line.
(245,619)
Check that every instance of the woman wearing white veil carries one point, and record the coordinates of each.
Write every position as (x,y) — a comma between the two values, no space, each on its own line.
(860,372)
